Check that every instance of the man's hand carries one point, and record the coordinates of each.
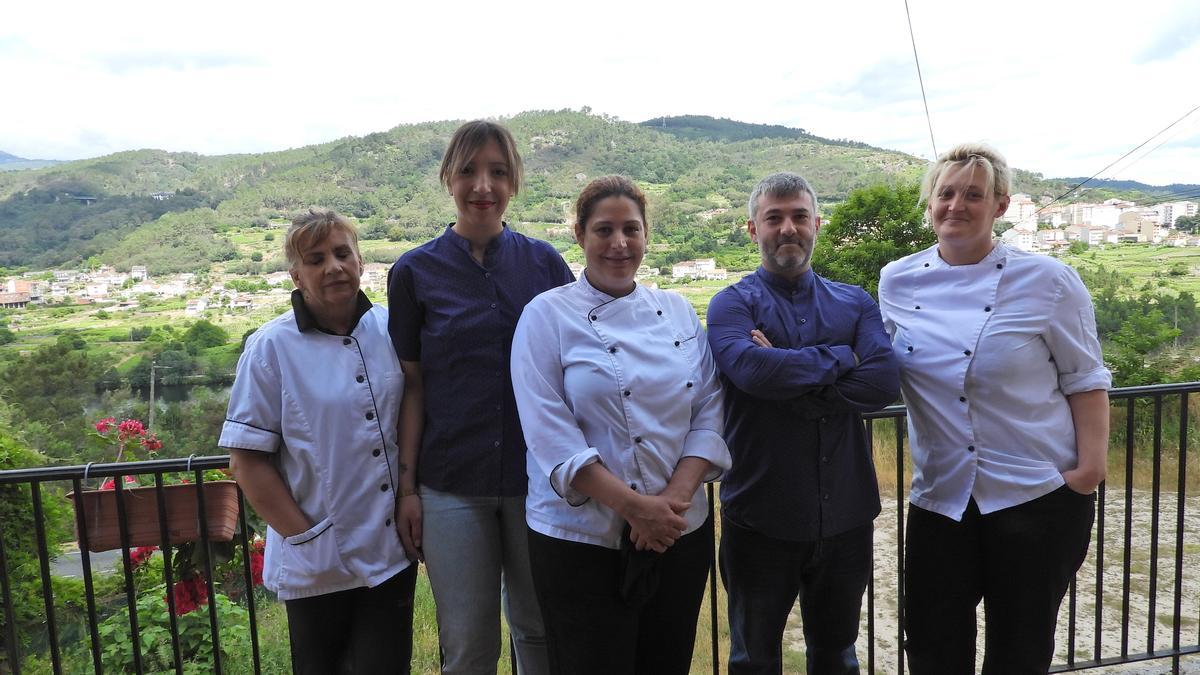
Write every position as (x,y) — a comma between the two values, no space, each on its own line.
(759,339)
(408,524)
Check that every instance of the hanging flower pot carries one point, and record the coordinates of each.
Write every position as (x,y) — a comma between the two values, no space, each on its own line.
(142,516)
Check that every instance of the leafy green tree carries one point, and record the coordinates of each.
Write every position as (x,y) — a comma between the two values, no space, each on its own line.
(1188,223)
(205,334)
(874,226)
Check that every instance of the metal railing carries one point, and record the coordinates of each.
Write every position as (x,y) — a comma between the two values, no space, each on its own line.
(1140,557)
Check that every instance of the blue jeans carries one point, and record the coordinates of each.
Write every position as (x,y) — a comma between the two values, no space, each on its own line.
(476,555)
(764,576)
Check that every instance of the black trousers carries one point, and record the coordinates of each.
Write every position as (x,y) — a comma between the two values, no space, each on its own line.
(1018,560)
(361,631)
(764,577)
(590,629)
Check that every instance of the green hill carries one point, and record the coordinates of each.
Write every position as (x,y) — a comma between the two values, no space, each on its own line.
(698,170)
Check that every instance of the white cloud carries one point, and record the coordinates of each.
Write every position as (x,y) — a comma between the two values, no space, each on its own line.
(1059,90)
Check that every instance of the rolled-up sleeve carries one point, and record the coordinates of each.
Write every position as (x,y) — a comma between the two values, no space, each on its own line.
(253,419)
(1071,337)
(552,435)
(706,439)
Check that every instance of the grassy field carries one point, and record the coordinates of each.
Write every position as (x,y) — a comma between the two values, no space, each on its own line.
(1169,268)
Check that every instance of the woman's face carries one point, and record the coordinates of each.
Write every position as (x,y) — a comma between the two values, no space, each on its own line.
(614,243)
(328,273)
(482,187)
(962,209)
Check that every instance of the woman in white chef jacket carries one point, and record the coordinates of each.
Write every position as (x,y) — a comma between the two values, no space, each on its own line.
(1008,423)
(622,412)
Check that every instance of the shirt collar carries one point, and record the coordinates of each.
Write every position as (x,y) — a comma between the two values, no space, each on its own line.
(305,320)
(998,253)
(465,244)
(583,283)
(782,283)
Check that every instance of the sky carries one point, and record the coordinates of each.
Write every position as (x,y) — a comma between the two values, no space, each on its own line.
(1061,88)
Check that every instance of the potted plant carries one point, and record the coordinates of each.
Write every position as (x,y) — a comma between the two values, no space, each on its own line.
(99,507)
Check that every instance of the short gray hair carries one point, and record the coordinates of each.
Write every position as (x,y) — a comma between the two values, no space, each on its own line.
(782,184)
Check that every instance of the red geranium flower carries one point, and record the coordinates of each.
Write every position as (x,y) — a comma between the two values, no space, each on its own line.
(256,568)
(130,428)
(141,554)
(190,594)
(151,443)
(105,424)
(110,484)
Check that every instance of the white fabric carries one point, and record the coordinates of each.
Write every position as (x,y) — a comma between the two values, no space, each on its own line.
(576,353)
(296,395)
(1013,335)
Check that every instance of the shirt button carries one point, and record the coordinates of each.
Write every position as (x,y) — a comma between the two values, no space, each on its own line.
(910,348)
(493,305)
(498,406)
(487,275)
(633,486)
(375,452)
(999,266)
(383,488)
(824,420)
(970,448)
(689,385)
(917,307)
(495,444)
(963,399)
(628,393)
(677,343)
(803,320)
(825,460)
(370,415)
(637,439)
(826,497)
(360,378)
(593,317)
(966,352)
(987,309)
(660,312)
(388,522)
(612,350)
(345,341)
(927,264)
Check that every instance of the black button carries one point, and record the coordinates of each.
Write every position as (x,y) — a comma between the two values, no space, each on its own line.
(963,399)
(593,317)
(370,415)
(360,378)
(689,385)
(966,352)
(677,343)
(660,312)
(999,266)
(612,350)
(495,444)
(345,341)
(627,392)
(633,486)
(826,497)
(383,488)
(637,439)
(825,460)
(970,448)
(824,420)
(927,264)
(987,309)
(375,452)
(917,307)
(388,522)
(910,348)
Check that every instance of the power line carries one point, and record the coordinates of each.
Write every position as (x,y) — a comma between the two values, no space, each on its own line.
(1118,160)
(920,79)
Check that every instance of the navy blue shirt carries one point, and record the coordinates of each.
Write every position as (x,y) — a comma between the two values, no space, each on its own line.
(457,318)
(802,469)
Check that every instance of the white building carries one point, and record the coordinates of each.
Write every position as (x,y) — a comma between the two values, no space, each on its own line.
(1170,211)
(1021,237)
(138,273)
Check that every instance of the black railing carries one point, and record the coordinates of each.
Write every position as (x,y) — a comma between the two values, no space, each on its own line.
(1139,554)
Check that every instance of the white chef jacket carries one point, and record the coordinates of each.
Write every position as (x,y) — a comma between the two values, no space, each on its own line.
(328,407)
(629,382)
(988,353)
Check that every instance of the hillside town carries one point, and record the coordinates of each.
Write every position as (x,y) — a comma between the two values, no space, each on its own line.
(1111,222)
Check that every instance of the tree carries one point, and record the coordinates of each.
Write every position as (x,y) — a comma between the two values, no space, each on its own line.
(874,226)
(1188,223)
(205,334)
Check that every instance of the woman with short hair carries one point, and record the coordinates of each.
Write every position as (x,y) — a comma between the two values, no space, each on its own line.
(1008,423)
(622,413)
(313,437)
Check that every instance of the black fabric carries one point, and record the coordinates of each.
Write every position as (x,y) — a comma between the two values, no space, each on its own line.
(1018,560)
(364,631)
(306,321)
(592,630)
(638,574)
(765,576)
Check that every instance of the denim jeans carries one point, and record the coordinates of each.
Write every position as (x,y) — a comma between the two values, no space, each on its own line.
(477,555)
(1018,560)
(764,577)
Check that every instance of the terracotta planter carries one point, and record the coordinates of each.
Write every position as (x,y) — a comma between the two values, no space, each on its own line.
(141,514)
